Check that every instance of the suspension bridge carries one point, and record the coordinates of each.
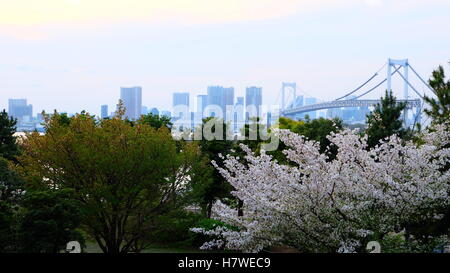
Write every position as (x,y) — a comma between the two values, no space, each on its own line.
(290,107)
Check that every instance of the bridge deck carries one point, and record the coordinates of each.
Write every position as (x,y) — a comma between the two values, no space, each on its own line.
(344,103)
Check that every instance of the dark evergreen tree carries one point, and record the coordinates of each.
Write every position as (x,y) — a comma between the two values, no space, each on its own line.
(439,109)
(156,121)
(48,221)
(219,188)
(8,145)
(385,120)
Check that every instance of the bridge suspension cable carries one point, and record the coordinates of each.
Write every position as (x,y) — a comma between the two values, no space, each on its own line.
(410,85)
(424,82)
(362,85)
(376,86)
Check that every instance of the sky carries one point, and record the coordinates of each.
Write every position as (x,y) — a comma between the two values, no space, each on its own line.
(74,55)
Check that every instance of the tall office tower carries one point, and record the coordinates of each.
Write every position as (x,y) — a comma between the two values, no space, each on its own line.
(181,105)
(154,111)
(104,113)
(238,112)
(215,102)
(253,102)
(219,101)
(19,109)
(202,101)
(181,98)
(132,100)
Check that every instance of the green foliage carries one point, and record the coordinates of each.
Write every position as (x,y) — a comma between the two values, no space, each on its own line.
(219,188)
(118,173)
(156,121)
(6,227)
(316,130)
(10,182)
(385,120)
(48,221)
(252,133)
(8,145)
(174,228)
(397,243)
(440,106)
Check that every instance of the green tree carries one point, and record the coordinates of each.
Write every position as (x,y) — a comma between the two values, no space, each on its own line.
(156,121)
(252,132)
(222,145)
(317,130)
(10,182)
(48,221)
(6,227)
(440,106)
(385,120)
(119,173)
(8,144)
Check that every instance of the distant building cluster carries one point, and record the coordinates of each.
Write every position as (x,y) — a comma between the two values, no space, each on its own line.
(219,102)
(23,113)
(132,101)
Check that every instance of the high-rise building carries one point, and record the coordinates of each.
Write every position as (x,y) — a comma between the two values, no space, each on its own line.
(181,98)
(219,101)
(202,101)
(239,109)
(253,102)
(104,113)
(181,105)
(19,109)
(132,100)
(215,101)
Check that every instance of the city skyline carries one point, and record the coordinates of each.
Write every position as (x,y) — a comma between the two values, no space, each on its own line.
(70,62)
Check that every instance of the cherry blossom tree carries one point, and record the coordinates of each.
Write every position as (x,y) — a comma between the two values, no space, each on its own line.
(317,205)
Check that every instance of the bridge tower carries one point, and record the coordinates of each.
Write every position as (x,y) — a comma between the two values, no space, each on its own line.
(405,64)
(288,86)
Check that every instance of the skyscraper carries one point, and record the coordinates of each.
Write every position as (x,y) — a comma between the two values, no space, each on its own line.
(202,101)
(104,113)
(181,98)
(238,112)
(132,100)
(19,109)
(218,100)
(181,105)
(253,102)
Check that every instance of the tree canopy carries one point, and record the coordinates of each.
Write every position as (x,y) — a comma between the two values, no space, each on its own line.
(385,120)
(118,172)
(440,106)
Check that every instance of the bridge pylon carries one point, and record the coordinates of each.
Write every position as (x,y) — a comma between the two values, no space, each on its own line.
(292,86)
(392,63)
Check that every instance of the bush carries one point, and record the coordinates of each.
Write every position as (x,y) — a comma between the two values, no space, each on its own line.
(396,243)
